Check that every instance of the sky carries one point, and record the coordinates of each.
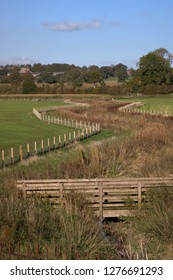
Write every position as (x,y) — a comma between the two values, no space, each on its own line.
(83,32)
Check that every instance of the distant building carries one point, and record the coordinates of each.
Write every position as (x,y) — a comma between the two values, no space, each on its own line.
(24,70)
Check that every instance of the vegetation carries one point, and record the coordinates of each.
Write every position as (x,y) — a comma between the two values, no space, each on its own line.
(136,145)
(154,69)
(28,85)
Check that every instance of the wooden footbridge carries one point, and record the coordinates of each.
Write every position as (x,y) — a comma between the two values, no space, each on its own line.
(108,197)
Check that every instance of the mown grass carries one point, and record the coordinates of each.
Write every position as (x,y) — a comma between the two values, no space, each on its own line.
(19,126)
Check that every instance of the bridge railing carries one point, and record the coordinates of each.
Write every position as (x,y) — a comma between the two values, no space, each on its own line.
(109,197)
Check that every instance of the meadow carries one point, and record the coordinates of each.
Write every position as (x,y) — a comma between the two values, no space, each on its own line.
(18,125)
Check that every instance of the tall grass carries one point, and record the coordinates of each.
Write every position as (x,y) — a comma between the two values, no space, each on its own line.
(72,227)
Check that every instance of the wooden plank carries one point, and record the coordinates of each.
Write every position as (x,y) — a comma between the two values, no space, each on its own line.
(116,213)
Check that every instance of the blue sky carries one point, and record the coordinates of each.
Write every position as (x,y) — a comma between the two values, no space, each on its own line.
(83,32)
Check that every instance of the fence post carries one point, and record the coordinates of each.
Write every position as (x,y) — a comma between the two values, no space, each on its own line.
(3,158)
(35,148)
(86,132)
(54,142)
(69,137)
(74,136)
(42,146)
(59,141)
(20,153)
(83,134)
(78,135)
(28,150)
(12,156)
(139,195)
(65,139)
(48,144)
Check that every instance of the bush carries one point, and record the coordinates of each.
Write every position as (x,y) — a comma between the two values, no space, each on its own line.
(28,85)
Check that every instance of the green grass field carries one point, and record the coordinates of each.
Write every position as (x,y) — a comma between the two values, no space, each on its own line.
(163,104)
(18,125)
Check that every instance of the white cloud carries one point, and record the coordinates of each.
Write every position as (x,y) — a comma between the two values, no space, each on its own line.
(67,26)
(15,60)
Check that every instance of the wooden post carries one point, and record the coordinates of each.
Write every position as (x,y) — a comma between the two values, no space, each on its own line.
(90,129)
(74,136)
(65,139)
(20,153)
(78,135)
(83,134)
(48,144)
(12,156)
(3,159)
(139,195)
(86,132)
(28,150)
(24,190)
(54,142)
(69,137)
(35,148)
(61,192)
(100,202)
(42,146)
(59,141)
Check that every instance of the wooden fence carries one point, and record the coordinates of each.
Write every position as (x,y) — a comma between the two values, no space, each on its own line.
(18,154)
(23,152)
(133,110)
(43,116)
(108,197)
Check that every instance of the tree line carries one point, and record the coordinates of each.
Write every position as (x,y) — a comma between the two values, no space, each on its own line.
(154,68)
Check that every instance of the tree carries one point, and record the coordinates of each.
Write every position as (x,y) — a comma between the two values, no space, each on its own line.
(153,68)
(28,85)
(15,78)
(47,78)
(75,77)
(164,54)
(93,77)
(107,71)
(120,71)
